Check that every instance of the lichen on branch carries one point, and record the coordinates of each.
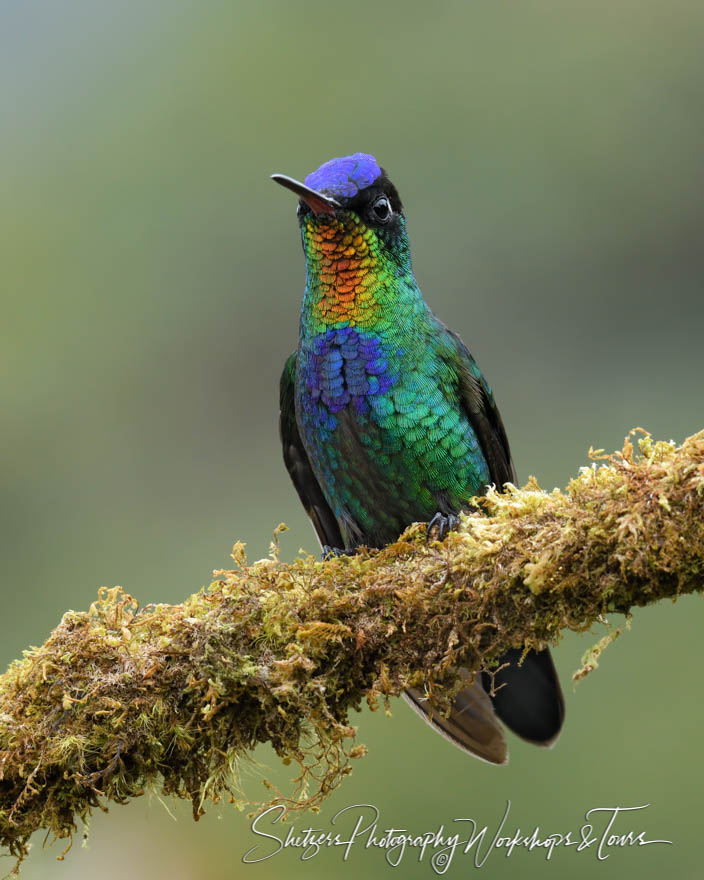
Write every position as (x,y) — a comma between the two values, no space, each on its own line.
(121,698)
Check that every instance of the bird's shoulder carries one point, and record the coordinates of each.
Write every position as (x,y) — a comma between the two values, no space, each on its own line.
(477,400)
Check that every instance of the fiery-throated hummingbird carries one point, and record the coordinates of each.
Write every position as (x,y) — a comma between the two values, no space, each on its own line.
(386,420)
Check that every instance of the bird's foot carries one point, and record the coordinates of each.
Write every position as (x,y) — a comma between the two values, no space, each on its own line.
(444,525)
(329,551)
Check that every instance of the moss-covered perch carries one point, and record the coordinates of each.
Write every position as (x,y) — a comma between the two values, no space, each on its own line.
(120,698)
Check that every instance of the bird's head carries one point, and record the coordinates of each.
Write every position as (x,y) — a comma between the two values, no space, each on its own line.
(350,185)
(352,225)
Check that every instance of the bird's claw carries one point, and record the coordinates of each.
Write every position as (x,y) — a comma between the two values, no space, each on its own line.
(444,525)
(329,551)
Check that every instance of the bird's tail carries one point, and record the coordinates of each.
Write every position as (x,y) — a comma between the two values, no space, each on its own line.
(527,698)
(471,724)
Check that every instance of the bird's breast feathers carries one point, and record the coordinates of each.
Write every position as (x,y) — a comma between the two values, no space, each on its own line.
(374,419)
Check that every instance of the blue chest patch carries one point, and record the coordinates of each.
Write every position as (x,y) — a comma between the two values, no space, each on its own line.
(344,367)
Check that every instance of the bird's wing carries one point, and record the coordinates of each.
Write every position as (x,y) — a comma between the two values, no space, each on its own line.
(477,400)
(298,464)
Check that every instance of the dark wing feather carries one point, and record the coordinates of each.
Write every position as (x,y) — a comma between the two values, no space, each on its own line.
(298,464)
(477,400)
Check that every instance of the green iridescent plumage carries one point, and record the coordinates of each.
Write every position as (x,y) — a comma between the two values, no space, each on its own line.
(385,417)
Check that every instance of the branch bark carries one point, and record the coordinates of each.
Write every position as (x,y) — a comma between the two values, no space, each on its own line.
(120,698)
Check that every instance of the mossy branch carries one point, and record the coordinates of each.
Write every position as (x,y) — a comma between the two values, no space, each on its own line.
(121,698)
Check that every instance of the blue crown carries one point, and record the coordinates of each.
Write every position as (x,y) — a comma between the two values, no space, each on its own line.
(344,178)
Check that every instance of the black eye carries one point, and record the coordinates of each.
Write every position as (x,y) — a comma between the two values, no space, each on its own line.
(381,209)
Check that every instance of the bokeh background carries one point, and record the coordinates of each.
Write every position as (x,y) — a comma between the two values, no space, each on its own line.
(550,159)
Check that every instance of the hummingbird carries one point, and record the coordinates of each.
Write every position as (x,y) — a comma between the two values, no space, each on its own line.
(386,419)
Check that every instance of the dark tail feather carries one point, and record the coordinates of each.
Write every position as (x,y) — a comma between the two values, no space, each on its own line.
(528,698)
(471,724)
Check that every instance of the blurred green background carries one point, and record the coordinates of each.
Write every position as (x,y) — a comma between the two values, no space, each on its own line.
(550,159)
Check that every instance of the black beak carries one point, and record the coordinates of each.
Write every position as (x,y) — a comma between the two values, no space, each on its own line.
(316,201)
